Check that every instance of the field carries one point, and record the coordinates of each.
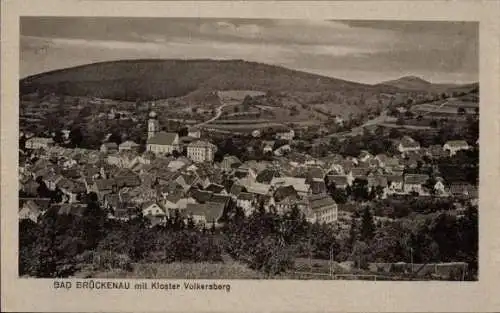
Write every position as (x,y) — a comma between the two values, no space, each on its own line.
(179,270)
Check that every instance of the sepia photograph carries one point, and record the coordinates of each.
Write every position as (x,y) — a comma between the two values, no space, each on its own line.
(232,148)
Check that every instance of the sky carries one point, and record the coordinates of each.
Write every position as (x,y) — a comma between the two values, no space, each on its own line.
(361,51)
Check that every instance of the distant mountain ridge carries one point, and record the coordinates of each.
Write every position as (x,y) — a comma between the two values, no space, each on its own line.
(149,79)
(417,83)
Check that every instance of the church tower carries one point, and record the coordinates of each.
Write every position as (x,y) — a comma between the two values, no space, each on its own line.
(153,125)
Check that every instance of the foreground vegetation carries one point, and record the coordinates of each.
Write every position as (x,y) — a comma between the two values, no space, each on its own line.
(263,245)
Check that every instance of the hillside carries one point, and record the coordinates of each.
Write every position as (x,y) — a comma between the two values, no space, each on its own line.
(414,83)
(155,79)
(408,83)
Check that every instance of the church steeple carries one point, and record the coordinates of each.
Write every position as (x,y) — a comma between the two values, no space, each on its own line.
(153,125)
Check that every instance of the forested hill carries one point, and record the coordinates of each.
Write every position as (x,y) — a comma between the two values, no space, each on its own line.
(154,79)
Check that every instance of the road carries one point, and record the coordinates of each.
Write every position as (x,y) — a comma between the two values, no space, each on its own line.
(218,113)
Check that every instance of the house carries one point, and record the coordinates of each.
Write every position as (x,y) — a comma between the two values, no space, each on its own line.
(282,150)
(415,183)
(124,211)
(230,162)
(453,146)
(256,133)
(322,209)
(201,151)
(216,188)
(395,184)
(267,147)
(464,190)
(436,152)
(439,187)
(109,147)
(267,175)
(201,196)
(377,181)
(299,184)
(39,143)
(128,145)
(206,214)
(365,156)
(407,144)
(284,198)
(236,189)
(76,209)
(126,178)
(340,181)
(258,188)
(314,172)
(358,173)
(245,201)
(163,143)
(285,135)
(29,210)
(71,189)
(153,209)
(318,186)
(103,187)
(194,132)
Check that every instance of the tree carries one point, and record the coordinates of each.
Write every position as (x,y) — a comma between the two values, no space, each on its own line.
(183,132)
(76,137)
(93,220)
(360,189)
(429,185)
(58,137)
(116,138)
(367,225)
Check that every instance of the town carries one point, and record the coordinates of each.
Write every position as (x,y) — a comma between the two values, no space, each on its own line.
(354,187)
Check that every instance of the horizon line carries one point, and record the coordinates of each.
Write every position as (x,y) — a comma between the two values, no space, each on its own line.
(246,61)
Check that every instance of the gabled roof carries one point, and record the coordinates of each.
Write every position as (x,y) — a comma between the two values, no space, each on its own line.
(73,209)
(128,144)
(416,179)
(214,188)
(218,198)
(408,142)
(110,145)
(267,175)
(315,172)
(246,196)
(318,186)
(258,188)
(377,180)
(105,184)
(201,144)
(457,143)
(338,180)
(360,171)
(163,138)
(285,192)
(317,203)
(394,178)
(236,189)
(211,210)
(200,196)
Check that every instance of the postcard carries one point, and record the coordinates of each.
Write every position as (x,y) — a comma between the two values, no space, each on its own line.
(241,156)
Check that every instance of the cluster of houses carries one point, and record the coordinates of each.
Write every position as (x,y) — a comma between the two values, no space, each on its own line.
(193,186)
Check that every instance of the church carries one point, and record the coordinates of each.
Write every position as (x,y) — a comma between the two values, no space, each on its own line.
(161,142)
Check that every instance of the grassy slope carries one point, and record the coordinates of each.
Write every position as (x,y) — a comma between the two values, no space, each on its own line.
(173,78)
(186,270)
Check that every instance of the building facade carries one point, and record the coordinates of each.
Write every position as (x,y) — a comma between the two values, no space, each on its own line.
(201,151)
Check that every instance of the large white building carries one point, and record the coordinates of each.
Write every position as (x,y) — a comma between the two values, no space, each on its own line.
(161,142)
(201,151)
